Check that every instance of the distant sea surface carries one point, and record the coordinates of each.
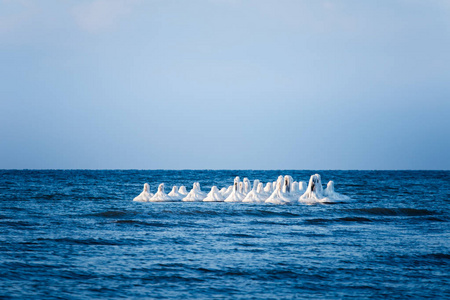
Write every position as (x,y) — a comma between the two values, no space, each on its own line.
(75,234)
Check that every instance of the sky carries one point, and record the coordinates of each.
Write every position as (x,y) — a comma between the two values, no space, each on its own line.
(224,84)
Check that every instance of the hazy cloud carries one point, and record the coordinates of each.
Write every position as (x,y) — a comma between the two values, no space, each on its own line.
(14,13)
(100,15)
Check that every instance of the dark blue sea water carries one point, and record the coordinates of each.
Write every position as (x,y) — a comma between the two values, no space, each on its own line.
(78,235)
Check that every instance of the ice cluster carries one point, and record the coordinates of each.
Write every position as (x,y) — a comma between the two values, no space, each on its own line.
(282,191)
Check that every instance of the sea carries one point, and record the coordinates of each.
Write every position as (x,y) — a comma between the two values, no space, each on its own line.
(77,234)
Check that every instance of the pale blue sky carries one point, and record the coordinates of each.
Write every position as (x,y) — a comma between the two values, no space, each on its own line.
(225,84)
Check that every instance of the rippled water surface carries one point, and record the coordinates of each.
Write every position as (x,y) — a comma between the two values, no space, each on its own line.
(79,235)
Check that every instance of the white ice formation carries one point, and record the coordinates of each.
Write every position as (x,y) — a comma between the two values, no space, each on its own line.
(282,191)
(222,191)
(314,192)
(287,184)
(145,195)
(255,195)
(268,188)
(295,192)
(228,191)
(175,195)
(182,190)
(331,194)
(247,186)
(195,194)
(241,187)
(235,195)
(302,186)
(214,195)
(160,195)
(278,196)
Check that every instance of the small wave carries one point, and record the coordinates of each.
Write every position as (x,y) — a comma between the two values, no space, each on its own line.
(381,211)
(71,275)
(331,202)
(262,273)
(444,256)
(250,212)
(268,213)
(355,219)
(247,244)
(235,272)
(52,196)
(30,265)
(18,224)
(94,198)
(436,219)
(192,212)
(90,241)
(127,222)
(28,243)
(257,222)
(16,208)
(172,265)
(136,222)
(281,274)
(338,220)
(240,235)
(318,221)
(171,278)
(204,270)
(113,214)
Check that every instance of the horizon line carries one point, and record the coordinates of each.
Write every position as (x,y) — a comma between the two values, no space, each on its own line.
(26,169)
